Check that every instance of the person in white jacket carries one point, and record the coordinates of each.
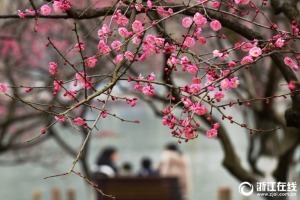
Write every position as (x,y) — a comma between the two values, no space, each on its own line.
(174,163)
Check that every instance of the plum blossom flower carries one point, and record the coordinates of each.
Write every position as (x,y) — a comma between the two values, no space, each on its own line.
(57,6)
(45,10)
(129,56)
(195,89)
(104,31)
(187,22)
(149,4)
(60,119)
(212,133)
(21,14)
(79,121)
(234,82)
(279,43)
(137,26)
(116,45)
(219,96)
(244,2)
(255,52)
(3,88)
(247,60)
(189,42)
(232,64)
(199,109)
(79,46)
(148,90)
(225,84)
(151,77)
(91,62)
(217,54)
(291,85)
(118,58)
(289,62)
(53,68)
(215,25)
(199,19)
(123,32)
(192,69)
(202,40)
(246,46)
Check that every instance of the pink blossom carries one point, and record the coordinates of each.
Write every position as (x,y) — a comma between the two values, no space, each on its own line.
(79,47)
(246,46)
(219,96)
(21,14)
(79,121)
(197,32)
(255,52)
(60,119)
(3,88)
(173,61)
(116,45)
(137,26)
(232,64)
(216,125)
(234,82)
(199,19)
(105,50)
(151,77)
(242,1)
(202,40)
(196,80)
(215,25)
(195,89)
(84,80)
(279,43)
(149,4)
(129,56)
(189,42)
(212,133)
(199,109)
(217,54)
(291,86)
(53,68)
(148,90)
(187,22)
(29,12)
(124,32)
(216,4)
(118,58)
(246,60)
(159,41)
(57,6)
(288,61)
(104,31)
(138,87)
(225,84)
(45,10)
(192,69)
(91,62)
(138,7)
(57,85)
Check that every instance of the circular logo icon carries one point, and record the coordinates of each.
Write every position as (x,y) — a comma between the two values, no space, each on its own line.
(243,190)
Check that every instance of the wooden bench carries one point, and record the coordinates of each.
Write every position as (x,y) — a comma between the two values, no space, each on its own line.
(136,188)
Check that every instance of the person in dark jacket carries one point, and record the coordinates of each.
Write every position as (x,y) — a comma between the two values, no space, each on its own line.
(146,168)
(106,163)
